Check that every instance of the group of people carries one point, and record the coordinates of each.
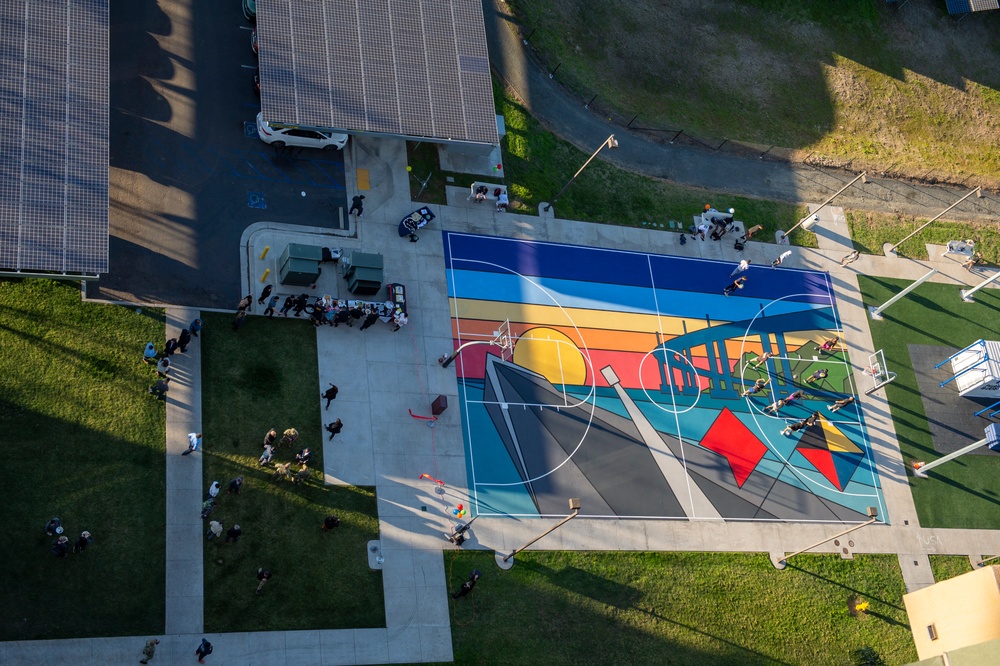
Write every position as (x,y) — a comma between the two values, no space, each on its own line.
(61,546)
(283,470)
(500,194)
(322,310)
(161,360)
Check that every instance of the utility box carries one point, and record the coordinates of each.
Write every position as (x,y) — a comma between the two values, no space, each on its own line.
(439,405)
(299,264)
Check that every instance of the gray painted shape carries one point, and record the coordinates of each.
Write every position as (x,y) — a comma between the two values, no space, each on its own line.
(949,416)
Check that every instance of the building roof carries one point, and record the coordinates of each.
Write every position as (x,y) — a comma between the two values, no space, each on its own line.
(416,69)
(955,613)
(54,150)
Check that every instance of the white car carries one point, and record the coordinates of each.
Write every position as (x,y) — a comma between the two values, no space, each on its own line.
(293,136)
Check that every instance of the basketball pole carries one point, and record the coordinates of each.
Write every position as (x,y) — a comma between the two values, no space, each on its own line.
(446,361)
(967,293)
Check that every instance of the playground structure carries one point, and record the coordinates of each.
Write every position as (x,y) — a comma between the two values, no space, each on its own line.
(977,370)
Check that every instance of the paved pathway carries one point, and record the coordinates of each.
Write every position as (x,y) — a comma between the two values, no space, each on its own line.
(383,374)
(546,100)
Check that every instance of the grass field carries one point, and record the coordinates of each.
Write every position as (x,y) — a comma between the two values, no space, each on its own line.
(949,566)
(964,492)
(266,376)
(676,608)
(870,231)
(537,164)
(858,80)
(83,442)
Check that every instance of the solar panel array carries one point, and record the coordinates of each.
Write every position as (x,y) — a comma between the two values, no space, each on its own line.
(966,6)
(415,68)
(54,143)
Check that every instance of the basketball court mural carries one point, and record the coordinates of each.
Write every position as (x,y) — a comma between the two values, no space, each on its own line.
(623,381)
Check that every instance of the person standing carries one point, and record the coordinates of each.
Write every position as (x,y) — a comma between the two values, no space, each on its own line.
(287,305)
(271,304)
(300,304)
(370,319)
(233,534)
(213,490)
(330,395)
(737,284)
(195,327)
(245,303)
(194,441)
(303,456)
(149,650)
(289,437)
(214,530)
(263,575)
(234,486)
(149,353)
(163,367)
(334,428)
(170,347)
(82,542)
(240,318)
(399,320)
(850,258)
(270,437)
(264,294)
(159,389)
(203,650)
(742,266)
(183,340)
(357,205)
(781,257)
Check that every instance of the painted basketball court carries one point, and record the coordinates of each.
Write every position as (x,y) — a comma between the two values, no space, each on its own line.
(622,387)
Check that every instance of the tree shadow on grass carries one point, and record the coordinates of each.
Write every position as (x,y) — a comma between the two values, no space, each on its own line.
(861,593)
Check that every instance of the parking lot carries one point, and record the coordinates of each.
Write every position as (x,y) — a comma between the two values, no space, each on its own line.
(188,172)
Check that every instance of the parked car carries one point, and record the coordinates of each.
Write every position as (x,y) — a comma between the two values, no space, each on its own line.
(256,81)
(250,10)
(253,41)
(297,136)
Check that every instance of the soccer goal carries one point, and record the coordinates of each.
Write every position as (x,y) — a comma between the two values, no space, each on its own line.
(878,371)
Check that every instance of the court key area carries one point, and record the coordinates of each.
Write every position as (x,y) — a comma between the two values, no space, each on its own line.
(631,381)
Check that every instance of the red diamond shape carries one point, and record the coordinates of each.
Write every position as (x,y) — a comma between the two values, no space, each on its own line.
(730,438)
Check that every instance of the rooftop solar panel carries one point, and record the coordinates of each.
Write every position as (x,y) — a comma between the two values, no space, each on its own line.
(966,6)
(54,152)
(394,67)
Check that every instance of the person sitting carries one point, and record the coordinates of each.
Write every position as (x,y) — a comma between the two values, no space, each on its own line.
(60,547)
(281,471)
(480,194)
(149,353)
(502,201)
(329,523)
(303,457)
(207,507)
(828,345)
(288,437)
(267,455)
(974,260)
(302,475)
(53,527)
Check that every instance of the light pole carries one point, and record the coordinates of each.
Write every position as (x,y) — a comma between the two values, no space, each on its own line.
(978,192)
(507,561)
(872,517)
(610,142)
(863,177)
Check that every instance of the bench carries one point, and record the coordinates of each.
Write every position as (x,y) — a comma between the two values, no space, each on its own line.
(490,188)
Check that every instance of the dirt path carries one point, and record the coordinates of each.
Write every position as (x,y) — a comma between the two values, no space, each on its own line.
(766,179)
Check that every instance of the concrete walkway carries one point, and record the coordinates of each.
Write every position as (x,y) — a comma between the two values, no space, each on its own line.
(382,374)
(565,115)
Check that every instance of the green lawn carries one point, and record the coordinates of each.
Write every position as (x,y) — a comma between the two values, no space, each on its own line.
(840,82)
(949,566)
(676,608)
(870,231)
(962,493)
(266,376)
(537,164)
(84,442)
